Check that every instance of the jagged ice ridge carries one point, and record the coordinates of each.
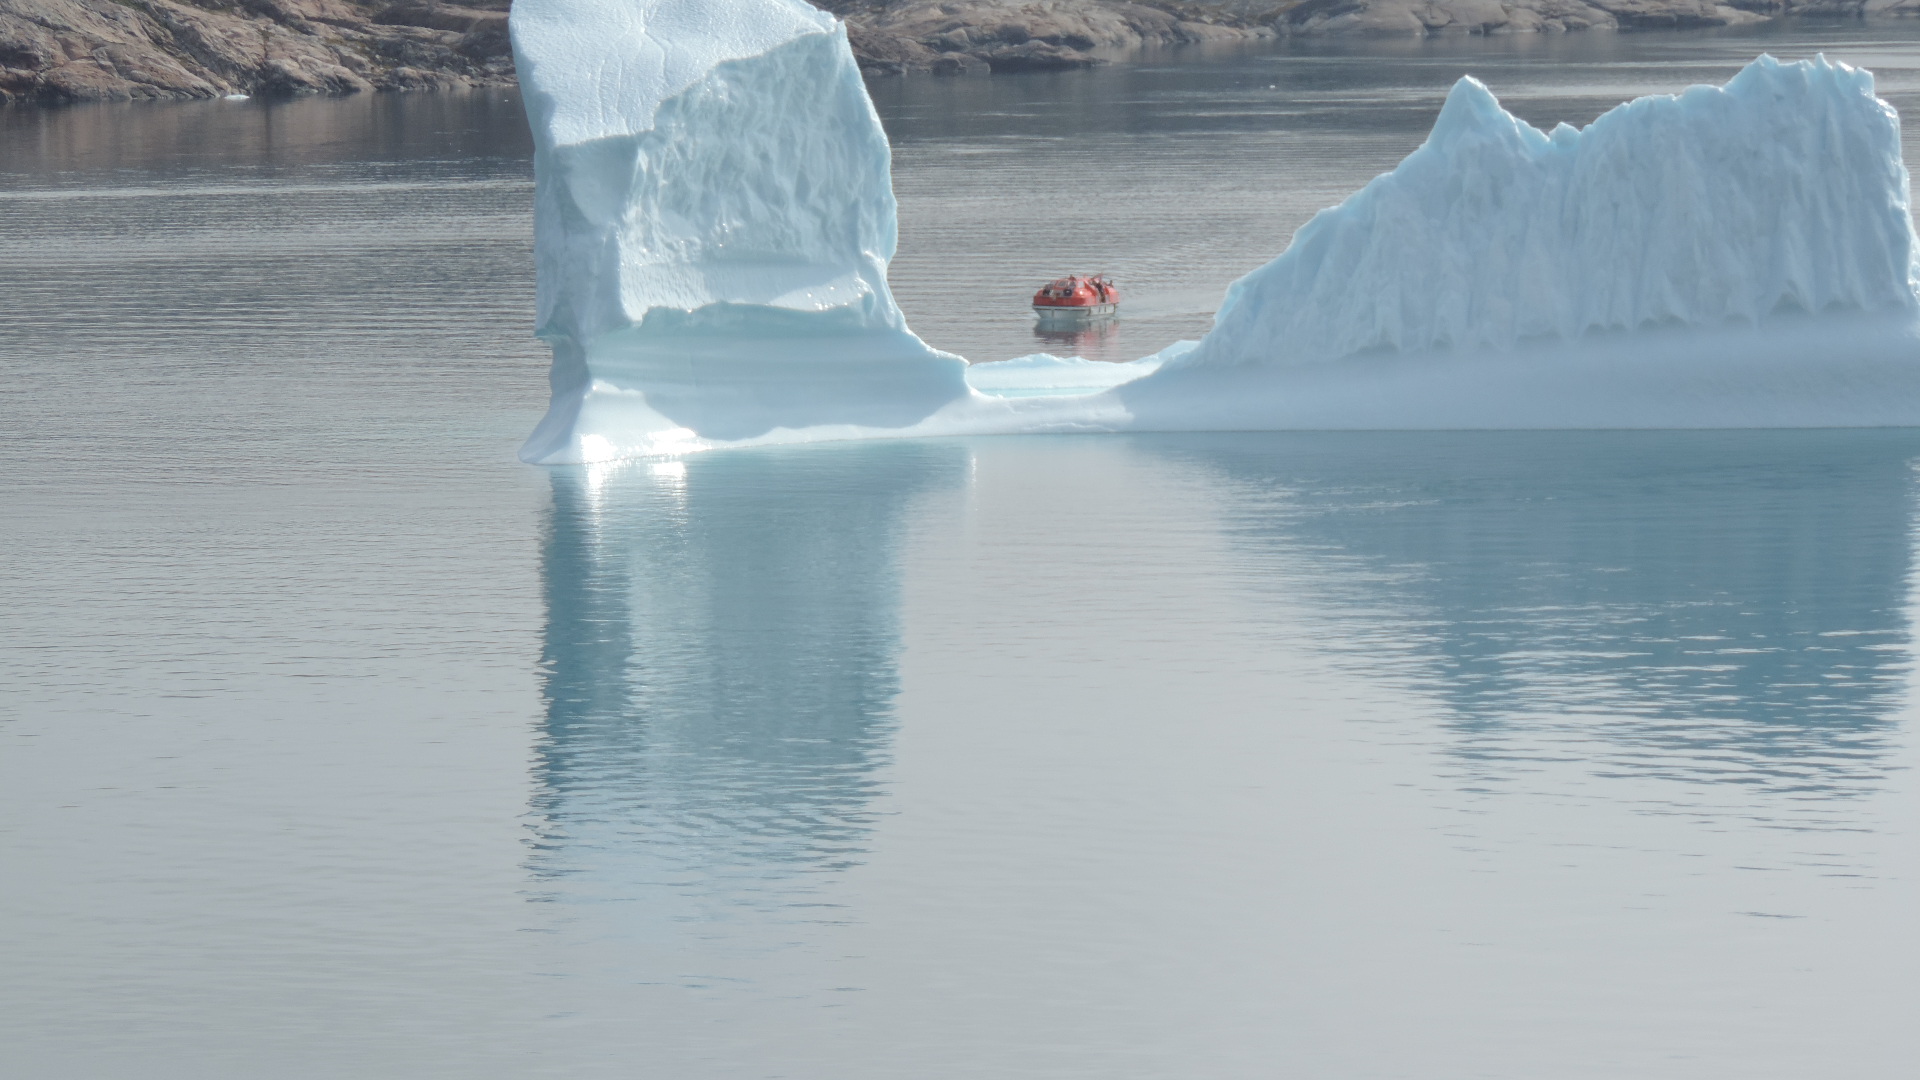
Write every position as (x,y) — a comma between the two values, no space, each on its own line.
(1783,189)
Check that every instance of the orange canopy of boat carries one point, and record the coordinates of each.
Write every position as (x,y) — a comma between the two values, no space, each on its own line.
(1077,291)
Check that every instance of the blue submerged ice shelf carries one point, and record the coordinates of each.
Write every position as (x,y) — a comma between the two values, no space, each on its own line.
(714,220)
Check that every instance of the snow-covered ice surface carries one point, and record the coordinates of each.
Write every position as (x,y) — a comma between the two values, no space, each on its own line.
(1783,189)
(1043,374)
(714,219)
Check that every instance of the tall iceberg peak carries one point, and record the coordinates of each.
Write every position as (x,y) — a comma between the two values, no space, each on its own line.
(603,67)
(713,220)
(1783,189)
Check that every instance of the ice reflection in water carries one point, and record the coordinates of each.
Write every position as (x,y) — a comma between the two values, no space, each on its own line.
(1183,755)
(1721,607)
(1689,609)
(720,665)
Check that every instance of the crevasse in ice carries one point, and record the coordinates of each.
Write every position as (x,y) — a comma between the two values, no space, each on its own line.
(714,217)
(1784,189)
(713,220)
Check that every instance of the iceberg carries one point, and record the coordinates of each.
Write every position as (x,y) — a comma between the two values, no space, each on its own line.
(1736,256)
(1781,191)
(714,217)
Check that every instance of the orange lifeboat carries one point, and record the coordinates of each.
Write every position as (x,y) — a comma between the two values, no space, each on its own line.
(1077,299)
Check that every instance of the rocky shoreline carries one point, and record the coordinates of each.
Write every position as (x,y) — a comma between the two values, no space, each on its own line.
(954,36)
(56,51)
(99,50)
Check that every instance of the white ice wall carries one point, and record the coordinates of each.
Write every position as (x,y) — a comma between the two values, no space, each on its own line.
(1783,189)
(714,215)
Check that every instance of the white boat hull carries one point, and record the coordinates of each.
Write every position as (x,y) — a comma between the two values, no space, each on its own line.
(1080,314)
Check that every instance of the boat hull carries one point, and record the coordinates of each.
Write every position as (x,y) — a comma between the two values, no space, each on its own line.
(1078,313)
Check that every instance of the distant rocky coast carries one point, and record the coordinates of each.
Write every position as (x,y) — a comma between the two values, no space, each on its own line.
(897,36)
(92,50)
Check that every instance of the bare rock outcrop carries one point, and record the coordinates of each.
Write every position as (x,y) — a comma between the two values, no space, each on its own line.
(1497,17)
(952,36)
(895,36)
(92,50)
(1551,16)
(99,50)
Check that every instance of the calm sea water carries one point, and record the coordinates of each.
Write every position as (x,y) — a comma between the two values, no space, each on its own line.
(335,742)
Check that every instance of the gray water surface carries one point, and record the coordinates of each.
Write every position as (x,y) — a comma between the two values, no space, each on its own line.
(335,742)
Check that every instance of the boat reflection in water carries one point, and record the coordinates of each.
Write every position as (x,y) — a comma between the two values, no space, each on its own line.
(1095,341)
